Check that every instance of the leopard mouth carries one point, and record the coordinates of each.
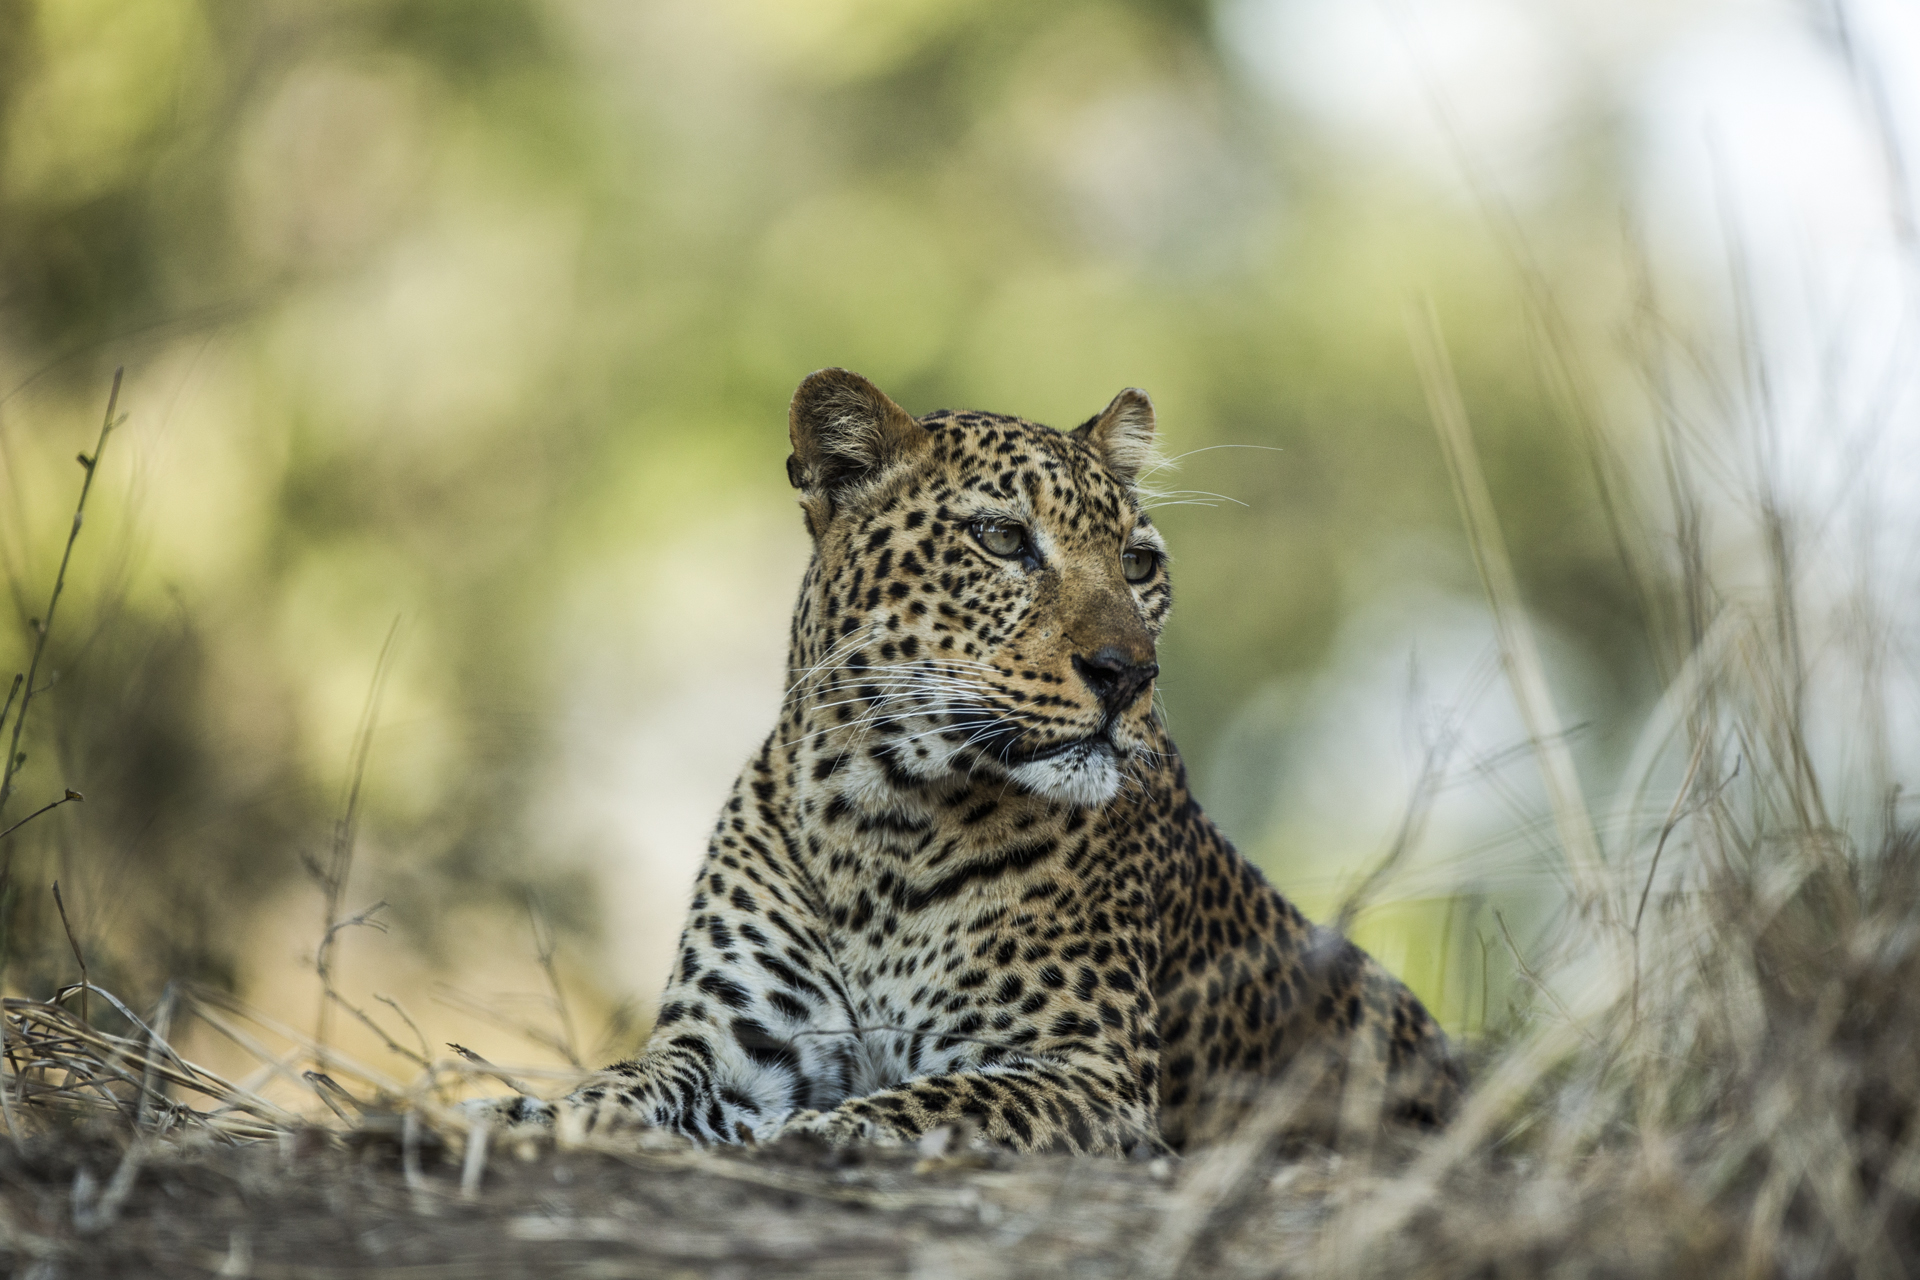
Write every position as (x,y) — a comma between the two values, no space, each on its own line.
(1099,740)
(1083,771)
(1003,743)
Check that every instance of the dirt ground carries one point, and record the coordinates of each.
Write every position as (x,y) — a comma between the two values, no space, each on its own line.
(315,1206)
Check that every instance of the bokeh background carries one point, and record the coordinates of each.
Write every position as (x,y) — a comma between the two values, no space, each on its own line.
(473,323)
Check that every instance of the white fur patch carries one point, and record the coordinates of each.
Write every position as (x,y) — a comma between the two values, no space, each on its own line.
(1087,775)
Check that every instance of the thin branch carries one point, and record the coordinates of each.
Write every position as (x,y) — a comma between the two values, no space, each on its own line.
(328,1089)
(19,678)
(426,1053)
(1539,983)
(366,1020)
(45,808)
(544,944)
(1413,819)
(455,998)
(211,996)
(6,1102)
(85,984)
(323,966)
(44,626)
(156,1036)
(333,877)
(488,1068)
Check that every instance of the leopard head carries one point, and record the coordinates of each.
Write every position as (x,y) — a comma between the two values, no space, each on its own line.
(985,595)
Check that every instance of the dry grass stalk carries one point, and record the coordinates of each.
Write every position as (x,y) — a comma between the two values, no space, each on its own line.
(554,1038)
(545,945)
(43,627)
(1519,651)
(79,957)
(338,867)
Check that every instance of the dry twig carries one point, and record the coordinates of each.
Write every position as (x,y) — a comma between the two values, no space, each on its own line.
(43,627)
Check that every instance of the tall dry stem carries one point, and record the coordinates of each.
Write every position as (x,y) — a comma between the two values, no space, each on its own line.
(43,627)
(338,867)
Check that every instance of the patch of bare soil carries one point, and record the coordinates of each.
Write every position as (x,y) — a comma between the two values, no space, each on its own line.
(315,1205)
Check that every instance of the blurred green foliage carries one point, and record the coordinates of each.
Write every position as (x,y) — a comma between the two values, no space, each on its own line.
(438,308)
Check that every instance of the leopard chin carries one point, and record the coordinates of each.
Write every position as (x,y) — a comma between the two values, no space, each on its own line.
(1087,773)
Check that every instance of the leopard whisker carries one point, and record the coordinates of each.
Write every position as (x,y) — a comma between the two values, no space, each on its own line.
(858,725)
(830,660)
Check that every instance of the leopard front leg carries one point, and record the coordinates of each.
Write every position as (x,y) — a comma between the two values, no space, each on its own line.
(752,1023)
(743,1038)
(1037,1106)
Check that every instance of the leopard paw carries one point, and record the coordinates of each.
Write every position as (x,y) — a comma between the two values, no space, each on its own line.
(517,1112)
(840,1128)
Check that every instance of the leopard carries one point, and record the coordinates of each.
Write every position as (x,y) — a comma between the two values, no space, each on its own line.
(964,882)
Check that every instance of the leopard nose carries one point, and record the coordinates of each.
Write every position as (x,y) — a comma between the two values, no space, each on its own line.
(1114,677)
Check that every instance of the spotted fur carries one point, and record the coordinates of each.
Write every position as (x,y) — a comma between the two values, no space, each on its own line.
(963,880)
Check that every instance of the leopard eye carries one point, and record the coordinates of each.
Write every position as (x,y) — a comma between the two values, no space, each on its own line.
(1138,563)
(1001,537)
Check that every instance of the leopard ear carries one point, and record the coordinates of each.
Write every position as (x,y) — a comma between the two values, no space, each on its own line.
(845,433)
(1122,434)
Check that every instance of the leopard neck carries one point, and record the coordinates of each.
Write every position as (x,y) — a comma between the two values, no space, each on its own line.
(855,793)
